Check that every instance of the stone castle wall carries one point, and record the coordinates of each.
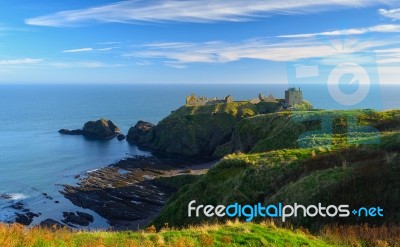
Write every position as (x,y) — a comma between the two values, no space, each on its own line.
(193,100)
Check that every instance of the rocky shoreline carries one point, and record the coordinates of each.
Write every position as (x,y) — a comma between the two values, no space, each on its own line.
(128,193)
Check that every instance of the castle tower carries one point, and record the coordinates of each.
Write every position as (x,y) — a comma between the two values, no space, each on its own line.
(293,96)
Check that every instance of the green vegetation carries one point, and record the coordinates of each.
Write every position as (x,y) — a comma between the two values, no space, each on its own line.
(312,129)
(231,234)
(199,130)
(335,170)
(304,106)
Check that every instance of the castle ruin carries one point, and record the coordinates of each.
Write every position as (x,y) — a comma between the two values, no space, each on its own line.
(293,97)
(193,100)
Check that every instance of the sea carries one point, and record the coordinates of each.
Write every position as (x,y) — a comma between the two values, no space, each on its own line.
(35,160)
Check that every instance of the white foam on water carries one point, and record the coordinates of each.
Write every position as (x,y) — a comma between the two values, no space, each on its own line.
(94,170)
(13,196)
(17,196)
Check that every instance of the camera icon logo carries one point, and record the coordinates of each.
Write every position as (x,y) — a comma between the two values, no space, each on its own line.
(347,81)
(359,75)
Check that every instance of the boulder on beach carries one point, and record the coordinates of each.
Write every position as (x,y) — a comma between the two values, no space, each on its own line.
(101,129)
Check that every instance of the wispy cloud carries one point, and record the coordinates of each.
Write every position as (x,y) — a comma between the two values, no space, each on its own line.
(4,29)
(389,28)
(106,49)
(89,49)
(78,50)
(388,56)
(82,64)
(143,63)
(133,11)
(21,61)
(48,63)
(179,54)
(393,14)
(109,43)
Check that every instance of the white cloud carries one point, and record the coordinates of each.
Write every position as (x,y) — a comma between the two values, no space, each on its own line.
(179,54)
(389,28)
(393,14)
(388,56)
(78,50)
(109,43)
(22,61)
(143,63)
(42,63)
(82,64)
(106,49)
(133,11)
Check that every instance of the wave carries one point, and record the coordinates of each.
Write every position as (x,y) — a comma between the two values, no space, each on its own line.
(13,196)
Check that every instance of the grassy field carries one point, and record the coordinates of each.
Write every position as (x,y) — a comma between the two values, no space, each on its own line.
(230,234)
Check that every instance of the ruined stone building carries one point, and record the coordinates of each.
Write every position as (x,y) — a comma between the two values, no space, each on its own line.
(193,100)
(293,96)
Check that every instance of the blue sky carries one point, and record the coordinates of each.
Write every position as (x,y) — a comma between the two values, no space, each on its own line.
(192,41)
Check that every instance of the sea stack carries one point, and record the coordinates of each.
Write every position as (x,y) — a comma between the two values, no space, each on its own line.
(102,129)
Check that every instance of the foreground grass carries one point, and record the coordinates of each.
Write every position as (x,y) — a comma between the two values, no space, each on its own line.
(230,234)
(362,235)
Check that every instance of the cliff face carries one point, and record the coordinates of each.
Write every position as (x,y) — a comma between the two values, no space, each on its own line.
(272,169)
(195,130)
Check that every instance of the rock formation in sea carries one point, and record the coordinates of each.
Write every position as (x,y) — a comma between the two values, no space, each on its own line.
(101,129)
(140,129)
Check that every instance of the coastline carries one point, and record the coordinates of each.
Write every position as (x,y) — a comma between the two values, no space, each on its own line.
(128,193)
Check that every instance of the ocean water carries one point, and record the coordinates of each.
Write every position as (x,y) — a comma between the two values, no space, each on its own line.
(36,159)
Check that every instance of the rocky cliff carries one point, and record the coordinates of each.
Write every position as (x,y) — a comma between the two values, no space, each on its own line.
(196,131)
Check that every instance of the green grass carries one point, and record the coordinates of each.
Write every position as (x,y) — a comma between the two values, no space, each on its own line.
(231,234)
(236,109)
(197,131)
(312,129)
(328,174)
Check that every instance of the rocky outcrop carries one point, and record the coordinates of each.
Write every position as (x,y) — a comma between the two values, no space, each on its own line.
(121,137)
(51,224)
(127,193)
(71,132)
(138,131)
(101,129)
(78,218)
(192,131)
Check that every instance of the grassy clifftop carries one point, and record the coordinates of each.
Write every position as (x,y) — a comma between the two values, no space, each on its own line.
(275,170)
(310,128)
(199,130)
(208,235)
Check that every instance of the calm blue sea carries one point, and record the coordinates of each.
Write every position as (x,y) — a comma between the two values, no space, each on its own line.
(35,158)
